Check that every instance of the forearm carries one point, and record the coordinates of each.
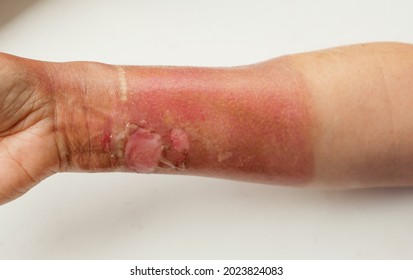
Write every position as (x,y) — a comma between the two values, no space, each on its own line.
(249,123)
(337,117)
(362,100)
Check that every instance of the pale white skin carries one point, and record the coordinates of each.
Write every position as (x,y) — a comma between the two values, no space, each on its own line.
(360,127)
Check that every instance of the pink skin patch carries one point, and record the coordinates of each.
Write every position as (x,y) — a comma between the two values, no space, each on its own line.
(106,139)
(179,140)
(143,151)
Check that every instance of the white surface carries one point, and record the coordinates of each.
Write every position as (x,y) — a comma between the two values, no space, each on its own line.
(124,216)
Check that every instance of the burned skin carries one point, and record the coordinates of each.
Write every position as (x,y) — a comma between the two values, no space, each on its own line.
(249,123)
(335,118)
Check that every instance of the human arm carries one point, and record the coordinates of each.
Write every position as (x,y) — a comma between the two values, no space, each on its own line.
(337,117)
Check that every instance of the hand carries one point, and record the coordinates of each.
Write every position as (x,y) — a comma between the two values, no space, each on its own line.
(28,151)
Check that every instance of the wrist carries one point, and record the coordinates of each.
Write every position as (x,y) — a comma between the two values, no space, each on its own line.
(84,97)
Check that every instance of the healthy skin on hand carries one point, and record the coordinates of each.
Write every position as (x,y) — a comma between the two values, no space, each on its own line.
(339,117)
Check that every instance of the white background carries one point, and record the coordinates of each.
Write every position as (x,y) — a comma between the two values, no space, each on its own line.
(128,216)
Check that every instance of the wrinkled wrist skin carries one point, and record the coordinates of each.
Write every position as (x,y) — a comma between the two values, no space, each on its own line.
(247,123)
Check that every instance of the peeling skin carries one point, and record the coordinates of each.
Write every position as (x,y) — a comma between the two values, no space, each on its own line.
(179,140)
(143,151)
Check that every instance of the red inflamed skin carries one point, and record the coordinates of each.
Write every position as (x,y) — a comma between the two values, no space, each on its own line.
(335,118)
(249,123)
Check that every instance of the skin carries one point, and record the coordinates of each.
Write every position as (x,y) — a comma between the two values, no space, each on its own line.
(338,117)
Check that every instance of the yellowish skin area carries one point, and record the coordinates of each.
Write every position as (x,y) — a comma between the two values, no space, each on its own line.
(340,117)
